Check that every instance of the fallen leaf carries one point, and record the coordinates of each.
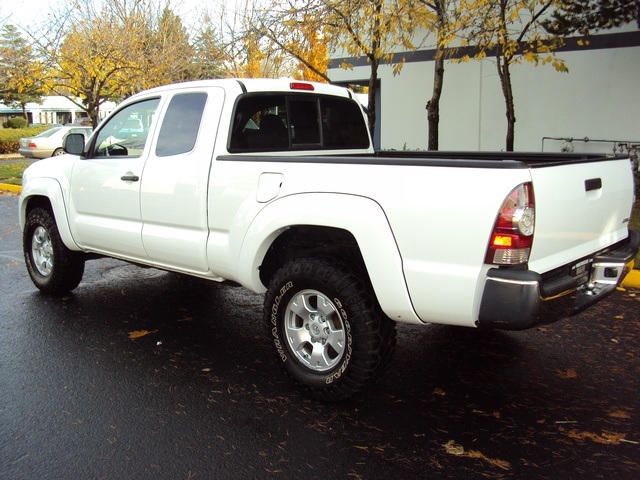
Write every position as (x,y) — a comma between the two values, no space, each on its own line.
(607,438)
(140,333)
(568,373)
(452,448)
(619,414)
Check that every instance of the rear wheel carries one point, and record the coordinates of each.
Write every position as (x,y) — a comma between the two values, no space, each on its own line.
(57,151)
(53,268)
(327,327)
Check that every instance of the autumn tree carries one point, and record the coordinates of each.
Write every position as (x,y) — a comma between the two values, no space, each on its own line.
(108,50)
(253,58)
(372,29)
(586,16)
(97,62)
(313,61)
(21,72)
(298,34)
(511,31)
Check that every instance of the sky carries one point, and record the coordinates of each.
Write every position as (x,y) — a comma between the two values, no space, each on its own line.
(26,13)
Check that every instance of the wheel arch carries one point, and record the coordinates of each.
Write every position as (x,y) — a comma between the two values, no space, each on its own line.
(321,224)
(308,240)
(47,193)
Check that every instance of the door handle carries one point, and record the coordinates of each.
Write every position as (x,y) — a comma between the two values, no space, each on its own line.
(593,184)
(129,177)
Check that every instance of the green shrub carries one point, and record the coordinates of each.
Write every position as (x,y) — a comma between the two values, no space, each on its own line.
(17,122)
(10,137)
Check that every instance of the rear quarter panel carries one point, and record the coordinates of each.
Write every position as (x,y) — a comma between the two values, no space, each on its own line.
(442,218)
(439,219)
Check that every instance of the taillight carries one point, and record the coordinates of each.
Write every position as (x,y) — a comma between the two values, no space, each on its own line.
(512,235)
(32,145)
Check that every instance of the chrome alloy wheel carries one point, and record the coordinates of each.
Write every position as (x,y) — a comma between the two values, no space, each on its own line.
(42,251)
(314,330)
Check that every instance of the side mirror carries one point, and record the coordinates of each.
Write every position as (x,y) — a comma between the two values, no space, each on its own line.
(74,144)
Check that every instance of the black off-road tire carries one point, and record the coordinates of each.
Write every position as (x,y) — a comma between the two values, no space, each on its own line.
(327,327)
(53,268)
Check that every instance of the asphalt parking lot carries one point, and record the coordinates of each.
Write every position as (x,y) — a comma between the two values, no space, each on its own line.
(146,374)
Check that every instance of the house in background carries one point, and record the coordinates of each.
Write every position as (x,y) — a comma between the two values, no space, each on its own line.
(52,110)
(597,104)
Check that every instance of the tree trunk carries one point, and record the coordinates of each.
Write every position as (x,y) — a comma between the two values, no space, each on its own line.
(93,110)
(433,105)
(507,90)
(373,90)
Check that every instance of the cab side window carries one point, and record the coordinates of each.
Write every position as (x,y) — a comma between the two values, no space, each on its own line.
(181,124)
(126,133)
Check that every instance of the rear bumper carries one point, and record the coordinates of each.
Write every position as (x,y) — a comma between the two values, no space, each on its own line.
(521,299)
(31,153)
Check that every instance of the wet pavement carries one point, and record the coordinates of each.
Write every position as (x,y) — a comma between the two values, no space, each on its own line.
(146,374)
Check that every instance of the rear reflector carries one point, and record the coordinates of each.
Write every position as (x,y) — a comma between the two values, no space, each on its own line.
(301,86)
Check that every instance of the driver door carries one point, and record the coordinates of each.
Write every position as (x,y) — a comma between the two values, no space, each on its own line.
(105,192)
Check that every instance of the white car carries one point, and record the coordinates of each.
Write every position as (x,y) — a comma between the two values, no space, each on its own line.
(49,143)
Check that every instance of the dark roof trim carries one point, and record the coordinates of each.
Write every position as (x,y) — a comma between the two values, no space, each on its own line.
(596,42)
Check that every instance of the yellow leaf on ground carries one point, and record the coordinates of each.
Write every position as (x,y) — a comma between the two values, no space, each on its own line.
(452,448)
(568,373)
(607,438)
(140,333)
(617,413)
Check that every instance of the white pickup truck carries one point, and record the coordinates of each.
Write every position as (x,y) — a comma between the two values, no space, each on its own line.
(274,185)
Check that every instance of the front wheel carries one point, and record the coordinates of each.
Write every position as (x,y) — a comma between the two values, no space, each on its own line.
(53,268)
(327,327)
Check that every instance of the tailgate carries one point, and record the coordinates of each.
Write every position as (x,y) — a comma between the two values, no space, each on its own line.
(581,208)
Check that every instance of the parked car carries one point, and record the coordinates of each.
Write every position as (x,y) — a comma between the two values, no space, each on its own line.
(49,143)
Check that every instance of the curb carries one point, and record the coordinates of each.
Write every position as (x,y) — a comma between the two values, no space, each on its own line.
(632,280)
(7,187)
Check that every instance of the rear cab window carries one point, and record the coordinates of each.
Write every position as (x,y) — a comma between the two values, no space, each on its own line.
(280,122)
(181,124)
